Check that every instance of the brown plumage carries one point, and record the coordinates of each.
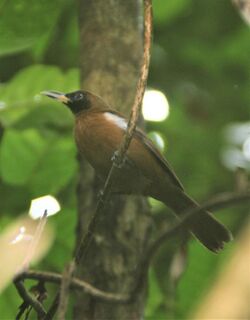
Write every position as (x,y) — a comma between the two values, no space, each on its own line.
(98,133)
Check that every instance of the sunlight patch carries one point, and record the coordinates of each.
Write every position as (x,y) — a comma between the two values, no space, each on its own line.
(155,106)
(40,205)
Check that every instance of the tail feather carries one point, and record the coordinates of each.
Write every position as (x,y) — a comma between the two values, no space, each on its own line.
(209,231)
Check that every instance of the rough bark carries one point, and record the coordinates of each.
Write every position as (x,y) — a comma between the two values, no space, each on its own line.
(110,56)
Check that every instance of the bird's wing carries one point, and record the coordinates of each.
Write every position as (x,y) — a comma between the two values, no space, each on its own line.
(141,136)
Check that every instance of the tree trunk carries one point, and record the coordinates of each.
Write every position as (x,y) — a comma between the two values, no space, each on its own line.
(110,55)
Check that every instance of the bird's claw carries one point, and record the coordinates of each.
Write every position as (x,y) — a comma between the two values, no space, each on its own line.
(100,196)
(117,161)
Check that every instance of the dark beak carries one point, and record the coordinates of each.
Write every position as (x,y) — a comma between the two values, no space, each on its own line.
(56,95)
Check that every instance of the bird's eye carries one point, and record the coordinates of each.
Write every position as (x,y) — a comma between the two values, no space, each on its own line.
(79,96)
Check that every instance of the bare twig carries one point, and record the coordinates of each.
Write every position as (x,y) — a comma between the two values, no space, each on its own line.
(34,243)
(64,291)
(141,86)
(29,299)
(220,201)
(121,152)
(75,284)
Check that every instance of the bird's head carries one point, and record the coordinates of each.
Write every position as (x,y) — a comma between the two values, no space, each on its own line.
(77,101)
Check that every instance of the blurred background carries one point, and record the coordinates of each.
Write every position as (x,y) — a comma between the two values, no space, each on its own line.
(197,110)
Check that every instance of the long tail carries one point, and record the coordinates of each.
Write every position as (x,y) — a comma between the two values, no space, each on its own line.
(211,233)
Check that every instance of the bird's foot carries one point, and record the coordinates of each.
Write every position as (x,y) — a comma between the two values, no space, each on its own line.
(100,196)
(117,161)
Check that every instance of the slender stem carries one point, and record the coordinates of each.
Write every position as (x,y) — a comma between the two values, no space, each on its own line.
(64,291)
(29,299)
(75,284)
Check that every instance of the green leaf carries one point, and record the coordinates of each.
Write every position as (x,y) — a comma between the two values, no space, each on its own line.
(47,117)
(19,154)
(22,94)
(29,82)
(22,23)
(45,165)
(55,169)
(18,202)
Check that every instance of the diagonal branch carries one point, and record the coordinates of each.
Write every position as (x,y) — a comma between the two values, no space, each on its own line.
(28,298)
(221,201)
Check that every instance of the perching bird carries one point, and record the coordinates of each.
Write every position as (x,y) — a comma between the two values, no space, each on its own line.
(99,131)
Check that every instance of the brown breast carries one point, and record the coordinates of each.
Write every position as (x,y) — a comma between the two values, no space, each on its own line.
(97,139)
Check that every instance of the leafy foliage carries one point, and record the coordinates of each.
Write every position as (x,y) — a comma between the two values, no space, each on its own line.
(37,19)
(20,154)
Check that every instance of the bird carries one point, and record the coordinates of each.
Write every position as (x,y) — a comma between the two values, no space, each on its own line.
(98,132)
